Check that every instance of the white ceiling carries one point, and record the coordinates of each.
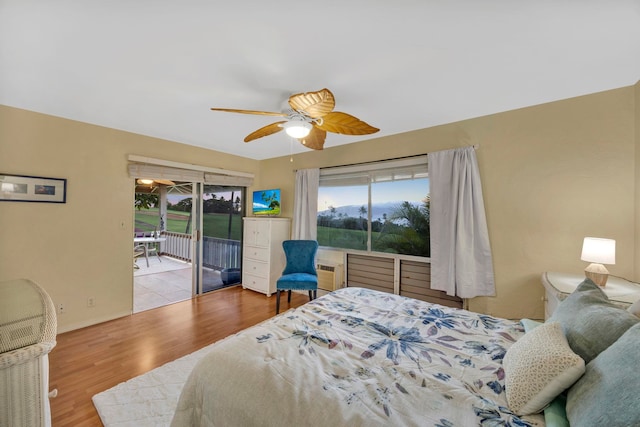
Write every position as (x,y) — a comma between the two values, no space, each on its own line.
(156,67)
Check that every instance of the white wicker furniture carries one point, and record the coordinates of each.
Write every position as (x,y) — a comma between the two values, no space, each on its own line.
(558,286)
(27,334)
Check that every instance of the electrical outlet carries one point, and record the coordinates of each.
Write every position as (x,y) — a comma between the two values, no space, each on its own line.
(61,309)
(91,302)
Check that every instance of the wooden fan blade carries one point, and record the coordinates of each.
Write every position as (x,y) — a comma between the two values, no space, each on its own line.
(314,104)
(259,113)
(265,131)
(345,124)
(315,139)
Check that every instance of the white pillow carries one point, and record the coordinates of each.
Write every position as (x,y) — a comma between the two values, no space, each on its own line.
(538,367)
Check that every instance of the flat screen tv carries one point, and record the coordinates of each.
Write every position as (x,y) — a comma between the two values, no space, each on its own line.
(266,202)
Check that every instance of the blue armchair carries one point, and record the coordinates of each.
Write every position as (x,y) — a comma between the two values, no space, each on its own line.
(300,272)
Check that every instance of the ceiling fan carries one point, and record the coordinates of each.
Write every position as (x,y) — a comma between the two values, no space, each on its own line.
(310,118)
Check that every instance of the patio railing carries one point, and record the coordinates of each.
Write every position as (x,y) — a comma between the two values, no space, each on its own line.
(177,245)
(220,253)
(217,253)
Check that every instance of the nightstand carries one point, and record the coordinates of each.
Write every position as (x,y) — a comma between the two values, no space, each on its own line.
(559,285)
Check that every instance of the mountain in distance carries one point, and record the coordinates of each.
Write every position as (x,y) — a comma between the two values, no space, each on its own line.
(377,210)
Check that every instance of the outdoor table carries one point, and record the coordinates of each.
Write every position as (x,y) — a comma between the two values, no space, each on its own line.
(145,241)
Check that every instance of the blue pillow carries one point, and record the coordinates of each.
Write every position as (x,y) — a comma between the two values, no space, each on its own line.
(590,321)
(608,394)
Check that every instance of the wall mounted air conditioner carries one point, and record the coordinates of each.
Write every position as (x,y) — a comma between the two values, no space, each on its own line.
(329,276)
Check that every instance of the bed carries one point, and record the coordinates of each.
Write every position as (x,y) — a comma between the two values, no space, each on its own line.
(358,357)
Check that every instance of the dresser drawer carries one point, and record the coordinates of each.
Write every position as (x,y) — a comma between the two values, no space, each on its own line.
(257,253)
(256,283)
(256,268)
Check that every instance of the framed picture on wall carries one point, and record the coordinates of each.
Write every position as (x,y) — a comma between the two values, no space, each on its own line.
(21,188)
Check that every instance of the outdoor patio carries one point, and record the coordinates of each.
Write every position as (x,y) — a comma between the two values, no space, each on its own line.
(167,282)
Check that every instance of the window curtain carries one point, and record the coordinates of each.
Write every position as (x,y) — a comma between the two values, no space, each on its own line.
(461,262)
(305,209)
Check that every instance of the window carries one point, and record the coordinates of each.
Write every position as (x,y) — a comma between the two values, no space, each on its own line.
(379,207)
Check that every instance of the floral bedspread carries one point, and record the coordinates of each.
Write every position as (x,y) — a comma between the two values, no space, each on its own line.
(357,357)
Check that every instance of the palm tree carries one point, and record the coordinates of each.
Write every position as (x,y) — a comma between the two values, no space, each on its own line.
(363,211)
(414,237)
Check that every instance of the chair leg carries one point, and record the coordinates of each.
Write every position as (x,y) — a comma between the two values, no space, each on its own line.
(315,293)
(310,293)
(289,298)
(278,301)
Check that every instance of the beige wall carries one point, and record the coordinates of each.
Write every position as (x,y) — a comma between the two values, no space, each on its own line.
(552,174)
(82,248)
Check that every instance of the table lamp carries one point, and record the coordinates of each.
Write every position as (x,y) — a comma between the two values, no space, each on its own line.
(598,251)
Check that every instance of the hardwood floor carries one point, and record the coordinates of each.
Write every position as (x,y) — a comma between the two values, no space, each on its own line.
(93,359)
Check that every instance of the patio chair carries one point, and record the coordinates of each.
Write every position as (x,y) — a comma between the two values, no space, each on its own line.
(300,272)
(138,251)
(154,247)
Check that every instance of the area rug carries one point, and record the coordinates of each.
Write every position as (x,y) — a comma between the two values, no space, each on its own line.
(148,400)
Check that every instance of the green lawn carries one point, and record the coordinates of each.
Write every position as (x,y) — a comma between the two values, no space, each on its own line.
(214,225)
(342,238)
(355,239)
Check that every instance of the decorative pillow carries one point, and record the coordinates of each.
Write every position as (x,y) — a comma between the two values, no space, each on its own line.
(529,324)
(608,394)
(635,308)
(538,367)
(590,322)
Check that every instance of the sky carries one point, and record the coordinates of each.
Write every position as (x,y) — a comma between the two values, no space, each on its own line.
(415,190)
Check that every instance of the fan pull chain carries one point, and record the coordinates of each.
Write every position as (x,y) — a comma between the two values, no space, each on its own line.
(290,150)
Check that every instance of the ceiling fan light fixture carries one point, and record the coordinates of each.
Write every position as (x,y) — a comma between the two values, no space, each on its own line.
(297,128)
(145,181)
(310,116)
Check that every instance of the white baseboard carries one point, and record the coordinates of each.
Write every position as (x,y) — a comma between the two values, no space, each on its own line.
(94,321)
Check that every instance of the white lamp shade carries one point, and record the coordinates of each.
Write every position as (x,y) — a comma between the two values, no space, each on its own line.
(601,251)
(297,128)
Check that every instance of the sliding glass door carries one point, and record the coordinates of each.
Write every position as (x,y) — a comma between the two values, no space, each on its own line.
(220,210)
(189,234)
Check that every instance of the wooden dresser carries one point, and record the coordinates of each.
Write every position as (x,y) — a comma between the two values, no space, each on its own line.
(263,258)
